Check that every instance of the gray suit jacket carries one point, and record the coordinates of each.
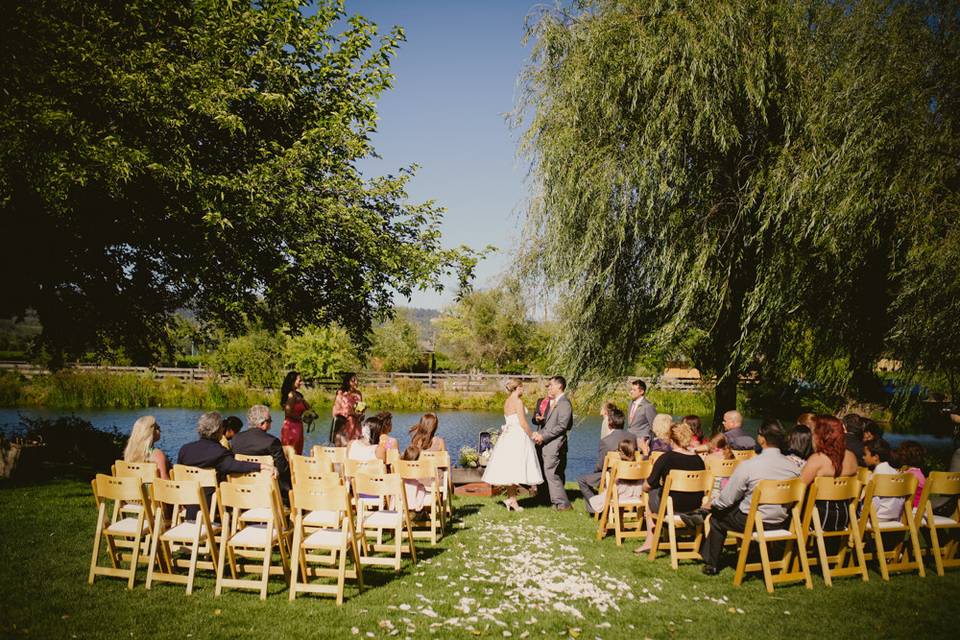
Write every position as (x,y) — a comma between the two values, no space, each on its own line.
(558,421)
(642,421)
(610,444)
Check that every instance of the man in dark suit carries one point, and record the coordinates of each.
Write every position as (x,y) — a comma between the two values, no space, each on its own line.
(255,441)
(590,483)
(551,440)
(541,407)
(641,412)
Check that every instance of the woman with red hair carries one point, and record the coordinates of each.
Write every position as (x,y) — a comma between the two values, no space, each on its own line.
(832,459)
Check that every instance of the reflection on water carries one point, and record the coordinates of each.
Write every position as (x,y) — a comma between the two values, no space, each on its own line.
(458,428)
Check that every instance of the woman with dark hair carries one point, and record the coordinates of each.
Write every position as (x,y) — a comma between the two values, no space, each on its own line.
(800,445)
(293,404)
(386,426)
(831,458)
(349,405)
(696,427)
(423,434)
(910,457)
(368,446)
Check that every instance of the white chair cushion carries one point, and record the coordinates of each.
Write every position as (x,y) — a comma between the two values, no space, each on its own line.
(382,519)
(184,532)
(260,514)
(629,502)
(125,527)
(774,534)
(252,536)
(941,521)
(326,539)
(322,519)
(131,507)
(886,524)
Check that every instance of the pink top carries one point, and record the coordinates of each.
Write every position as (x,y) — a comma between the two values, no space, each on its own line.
(346,405)
(920,482)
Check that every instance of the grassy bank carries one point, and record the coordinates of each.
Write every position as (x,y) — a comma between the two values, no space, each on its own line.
(535,574)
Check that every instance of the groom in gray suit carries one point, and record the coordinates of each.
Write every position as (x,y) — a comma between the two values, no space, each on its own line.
(551,439)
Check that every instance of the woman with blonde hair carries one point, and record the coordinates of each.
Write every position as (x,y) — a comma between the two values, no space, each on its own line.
(140,445)
(513,460)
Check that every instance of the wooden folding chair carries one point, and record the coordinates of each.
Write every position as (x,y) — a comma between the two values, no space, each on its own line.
(308,465)
(743,454)
(395,518)
(425,473)
(606,469)
(264,459)
(289,451)
(441,460)
(941,483)
(625,517)
(249,541)
(901,485)
(339,539)
(198,535)
(262,514)
(146,471)
(133,533)
(788,493)
(686,481)
(336,455)
(654,455)
(720,469)
(834,566)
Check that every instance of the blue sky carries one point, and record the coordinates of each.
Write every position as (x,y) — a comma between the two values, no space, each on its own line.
(456,78)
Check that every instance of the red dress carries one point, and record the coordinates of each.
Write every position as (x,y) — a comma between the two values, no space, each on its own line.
(346,405)
(292,431)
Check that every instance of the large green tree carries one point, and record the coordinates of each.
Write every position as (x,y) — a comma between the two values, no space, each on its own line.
(742,179)
(162,154)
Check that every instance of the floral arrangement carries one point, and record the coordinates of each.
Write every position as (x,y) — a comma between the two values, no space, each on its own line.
(469,457)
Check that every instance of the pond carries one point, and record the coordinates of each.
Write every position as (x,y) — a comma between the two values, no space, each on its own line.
(458,428)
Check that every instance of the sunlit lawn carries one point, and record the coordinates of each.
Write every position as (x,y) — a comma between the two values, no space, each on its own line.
(498,574)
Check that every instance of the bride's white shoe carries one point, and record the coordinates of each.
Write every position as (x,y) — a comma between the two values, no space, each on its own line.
(512,504)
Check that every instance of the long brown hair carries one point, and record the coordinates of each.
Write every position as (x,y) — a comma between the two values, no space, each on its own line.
(829,439)
(421,434)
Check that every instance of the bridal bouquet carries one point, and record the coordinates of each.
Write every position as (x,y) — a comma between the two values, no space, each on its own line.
(360,407)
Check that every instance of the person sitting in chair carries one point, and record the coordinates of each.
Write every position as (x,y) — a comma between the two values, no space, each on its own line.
(590,483)
(255,441)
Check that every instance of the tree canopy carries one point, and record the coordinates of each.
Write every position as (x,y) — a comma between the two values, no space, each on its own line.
(753,181)
(160,154)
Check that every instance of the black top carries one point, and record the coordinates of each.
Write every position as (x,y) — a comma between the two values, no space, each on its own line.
(208,454)
(257,442)
(683,501)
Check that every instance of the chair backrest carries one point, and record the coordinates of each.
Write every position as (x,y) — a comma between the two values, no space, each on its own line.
(632,470)
(393,457)
(417,469)
(689,481)
(180,492)
(898,485)
(205,477)
(310,497)
(720,467)
(655,455)
(863,475)
(309,464)
(246,496)
(119,488)
(146,471)
(779,491)
(259,459)
(943,483)
(830,488)
(744,454)
(386,484)
(353,467)
(252,477)
(337,455)
(441,459)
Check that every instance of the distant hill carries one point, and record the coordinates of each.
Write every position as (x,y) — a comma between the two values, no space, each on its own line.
(421,319)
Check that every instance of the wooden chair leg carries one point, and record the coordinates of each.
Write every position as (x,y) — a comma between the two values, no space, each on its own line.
(878,544)
(765,564)
(194,552)
(915,540)
(821,548)
(341,575)
(301,562)
(96,545)
(742,561)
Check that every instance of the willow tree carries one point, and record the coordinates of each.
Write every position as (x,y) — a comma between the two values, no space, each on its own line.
(729,179)
(162,154)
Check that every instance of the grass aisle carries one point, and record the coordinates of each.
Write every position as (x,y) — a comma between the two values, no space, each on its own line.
(497,575)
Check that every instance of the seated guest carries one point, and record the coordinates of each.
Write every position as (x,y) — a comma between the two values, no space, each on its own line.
(730,508)
(877,454)
(231,427)
(140,445)
(679,457)
(661,434)
(590,483)
(696,427)
(853,425)
(368,447)
(831,459)
(423,435)
(737,439)
(605,421)
(718,447)
(386,426)
(415,490)
(800,445)
(871,430)
(255,441)
(910,457)
(626,489)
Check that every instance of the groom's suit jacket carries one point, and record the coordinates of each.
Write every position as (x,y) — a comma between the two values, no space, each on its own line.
(558,421)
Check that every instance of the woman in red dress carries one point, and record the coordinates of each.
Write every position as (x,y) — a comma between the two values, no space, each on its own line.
(349,406)
(293,407)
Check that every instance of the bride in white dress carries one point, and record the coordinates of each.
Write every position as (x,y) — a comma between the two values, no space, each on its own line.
(513,460)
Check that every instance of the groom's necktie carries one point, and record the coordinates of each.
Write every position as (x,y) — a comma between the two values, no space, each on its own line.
(633,412)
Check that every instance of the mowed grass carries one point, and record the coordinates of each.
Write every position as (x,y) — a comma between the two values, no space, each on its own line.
(497,574)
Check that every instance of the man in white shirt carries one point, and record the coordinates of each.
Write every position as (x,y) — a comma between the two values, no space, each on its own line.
(877,455)
(641,412)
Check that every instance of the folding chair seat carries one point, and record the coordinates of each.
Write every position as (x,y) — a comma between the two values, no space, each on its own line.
(904,486)
(789,494)
(242,539)
(624,516)
(685,481)
(846,489)
(423,474)
(338,540)
(132,532)
(441,459)
(941,483)
(179,534)
(393,518)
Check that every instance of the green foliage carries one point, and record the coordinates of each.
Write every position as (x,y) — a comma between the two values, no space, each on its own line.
(322,352)
(258,358)
(69,441)
(394,345)
(735,180)
(201,155)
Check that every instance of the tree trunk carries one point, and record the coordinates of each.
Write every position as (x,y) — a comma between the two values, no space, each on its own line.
(724,398)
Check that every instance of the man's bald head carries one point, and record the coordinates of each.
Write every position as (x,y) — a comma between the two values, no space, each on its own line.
(732,420)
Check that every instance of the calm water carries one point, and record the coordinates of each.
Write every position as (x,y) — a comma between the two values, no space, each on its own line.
(458,428)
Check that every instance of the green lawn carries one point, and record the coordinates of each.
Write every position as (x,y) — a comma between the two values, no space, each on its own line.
(498,574)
